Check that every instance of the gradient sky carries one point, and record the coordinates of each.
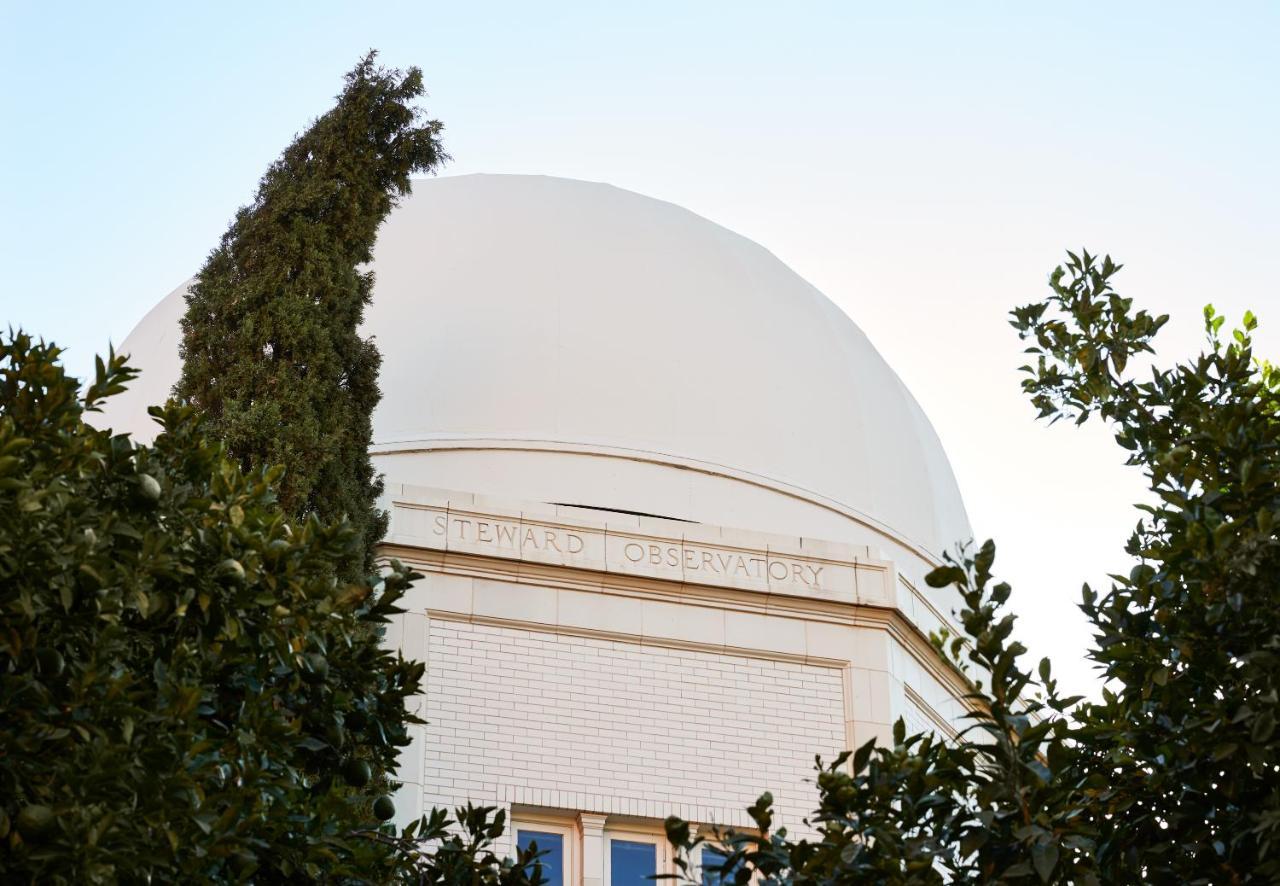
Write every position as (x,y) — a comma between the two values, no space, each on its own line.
(925,165)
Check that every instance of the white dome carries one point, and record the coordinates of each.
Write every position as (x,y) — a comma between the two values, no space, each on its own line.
(576,343)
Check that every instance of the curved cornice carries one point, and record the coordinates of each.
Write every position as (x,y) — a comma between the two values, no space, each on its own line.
(463,442)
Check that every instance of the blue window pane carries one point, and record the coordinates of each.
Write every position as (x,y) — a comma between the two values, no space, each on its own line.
(712,859)
(550,854)
(632,864)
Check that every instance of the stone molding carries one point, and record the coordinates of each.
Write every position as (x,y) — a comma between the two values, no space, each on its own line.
(888,619)
(691,554)
(855,587)
(647,581)
(594,812)
(938,722)
(454,442)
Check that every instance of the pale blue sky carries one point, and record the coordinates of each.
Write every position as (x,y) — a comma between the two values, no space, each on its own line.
(922,164)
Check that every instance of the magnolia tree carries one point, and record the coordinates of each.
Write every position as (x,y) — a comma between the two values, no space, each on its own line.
(1174,775)
(187,689)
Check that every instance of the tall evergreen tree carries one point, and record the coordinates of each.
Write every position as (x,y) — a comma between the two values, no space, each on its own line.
(271,350)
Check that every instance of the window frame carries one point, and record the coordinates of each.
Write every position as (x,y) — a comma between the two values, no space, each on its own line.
(566,829)
(636,834)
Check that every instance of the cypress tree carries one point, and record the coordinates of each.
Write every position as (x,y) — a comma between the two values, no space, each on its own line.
(271,350)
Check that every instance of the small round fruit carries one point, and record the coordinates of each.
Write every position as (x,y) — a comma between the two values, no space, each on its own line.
(384,809)
(150,487)
(357,772)
(317,667)
(336,736)
(49,662)
(230,570)
(35,821)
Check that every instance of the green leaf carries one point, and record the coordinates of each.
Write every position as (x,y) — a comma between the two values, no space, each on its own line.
(863,755)
(677,831)
(943,576)
(1044,856)
(1264,726)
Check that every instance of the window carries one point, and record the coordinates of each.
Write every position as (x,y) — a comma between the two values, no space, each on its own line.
(551,853)
(632,859)
(713,859)
(632,863)
(609,851)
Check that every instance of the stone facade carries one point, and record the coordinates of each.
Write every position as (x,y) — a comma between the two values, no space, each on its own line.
(536,718)
(595,672)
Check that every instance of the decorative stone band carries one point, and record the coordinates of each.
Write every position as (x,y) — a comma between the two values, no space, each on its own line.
(647,547)
(636,808)
(431,443)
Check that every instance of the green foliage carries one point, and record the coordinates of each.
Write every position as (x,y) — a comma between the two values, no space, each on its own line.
(271,349)
(1174,775)
(459,851)
(1189,639)
(185,687)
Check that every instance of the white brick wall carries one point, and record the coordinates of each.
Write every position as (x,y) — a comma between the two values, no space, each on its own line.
(945,704)
(539,718)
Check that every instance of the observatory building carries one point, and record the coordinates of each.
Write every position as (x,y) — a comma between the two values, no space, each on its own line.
(673,511)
